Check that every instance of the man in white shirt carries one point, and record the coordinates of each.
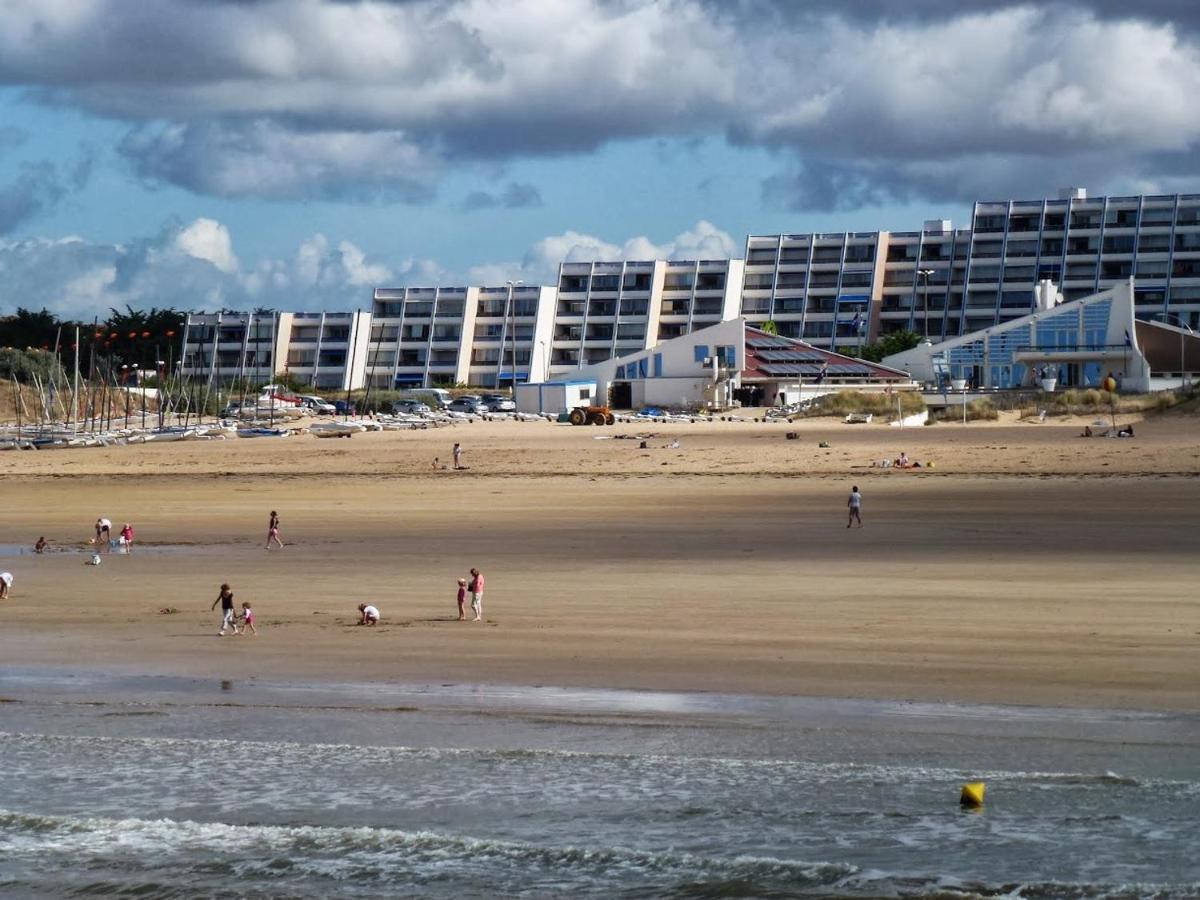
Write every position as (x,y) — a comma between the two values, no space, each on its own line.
(855,506)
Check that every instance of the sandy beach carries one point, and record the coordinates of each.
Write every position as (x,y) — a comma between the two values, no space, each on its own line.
(1028,566)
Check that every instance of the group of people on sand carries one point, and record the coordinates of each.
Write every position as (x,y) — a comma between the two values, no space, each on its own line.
(456,453)
(104,536)
(368,614)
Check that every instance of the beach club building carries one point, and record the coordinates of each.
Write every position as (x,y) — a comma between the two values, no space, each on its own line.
(723,365)
(1062,344)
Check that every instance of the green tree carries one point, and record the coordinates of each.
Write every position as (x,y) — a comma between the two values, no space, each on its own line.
(894,342)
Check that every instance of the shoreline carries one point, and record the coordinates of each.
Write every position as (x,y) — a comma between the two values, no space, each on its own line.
(608,567)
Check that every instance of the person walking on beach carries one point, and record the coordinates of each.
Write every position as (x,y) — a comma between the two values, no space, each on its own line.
(225,598)
(127,535)
(855,506)
(247,619)
(462,599)
(458,456)
(6,581)
(476,589)
(273,531)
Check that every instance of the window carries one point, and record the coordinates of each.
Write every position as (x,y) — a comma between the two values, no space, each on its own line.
(658,370)
(699,352)
(585,393)
(605,282)
(636,281)
(573,283)
(757,282)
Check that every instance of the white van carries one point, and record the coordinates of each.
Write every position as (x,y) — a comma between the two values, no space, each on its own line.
(435,398)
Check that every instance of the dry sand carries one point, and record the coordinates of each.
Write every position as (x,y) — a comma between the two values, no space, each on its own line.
(1029,566)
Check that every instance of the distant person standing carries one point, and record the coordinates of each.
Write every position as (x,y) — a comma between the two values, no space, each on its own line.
(855,506)
(462,599)
(273,531)
(6,581)
(476,589)
(225,598)
(458,456)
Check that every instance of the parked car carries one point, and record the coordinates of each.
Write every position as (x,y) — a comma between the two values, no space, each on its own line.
(467,405)
(498,403)
(317,404)
(231,410)
(342,408)
(410,408)
(436,398)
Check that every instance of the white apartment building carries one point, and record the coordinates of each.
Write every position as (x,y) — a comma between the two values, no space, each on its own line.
(610,309)
(832,290)
(460,335)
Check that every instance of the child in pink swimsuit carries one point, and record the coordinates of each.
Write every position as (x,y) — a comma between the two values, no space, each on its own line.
(248,619)
(462,599)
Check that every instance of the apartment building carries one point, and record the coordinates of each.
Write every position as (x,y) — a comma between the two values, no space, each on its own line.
(943,282)
(834,290)
(452,335)
(610,309)
(325,350)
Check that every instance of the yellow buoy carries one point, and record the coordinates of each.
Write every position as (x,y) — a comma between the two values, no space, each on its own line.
(972,794)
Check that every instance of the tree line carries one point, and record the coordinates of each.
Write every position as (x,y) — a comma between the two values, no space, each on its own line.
(38,342)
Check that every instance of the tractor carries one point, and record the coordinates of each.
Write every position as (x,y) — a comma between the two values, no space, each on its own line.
(591,415)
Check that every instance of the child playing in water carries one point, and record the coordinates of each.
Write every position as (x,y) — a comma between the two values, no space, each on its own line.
(462,599)
(127,535)
(247,619)
(40,546)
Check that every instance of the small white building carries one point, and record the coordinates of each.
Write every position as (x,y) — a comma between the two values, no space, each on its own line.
(724,365)
(1072,344)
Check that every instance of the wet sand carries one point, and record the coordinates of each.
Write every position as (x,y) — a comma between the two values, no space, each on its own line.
(1029,566)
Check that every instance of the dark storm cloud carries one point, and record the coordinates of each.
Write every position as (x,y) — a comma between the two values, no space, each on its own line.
(514,196)
(37,188)
(861,101)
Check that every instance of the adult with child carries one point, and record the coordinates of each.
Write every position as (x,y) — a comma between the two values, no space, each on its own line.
(476,589)
(225,598)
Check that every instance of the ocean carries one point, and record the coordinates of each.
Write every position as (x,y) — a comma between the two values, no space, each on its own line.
(123,785)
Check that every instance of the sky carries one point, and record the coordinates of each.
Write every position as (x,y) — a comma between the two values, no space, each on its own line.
(295,154)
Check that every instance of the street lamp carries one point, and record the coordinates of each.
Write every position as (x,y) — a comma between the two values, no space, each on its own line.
(512,318)
(1188,328)
(925,273)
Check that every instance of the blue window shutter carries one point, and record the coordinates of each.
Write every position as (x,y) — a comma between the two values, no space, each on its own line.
(701,352)
(658,365)
(642,371)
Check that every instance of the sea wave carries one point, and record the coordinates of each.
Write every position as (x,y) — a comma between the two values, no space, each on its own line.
(731,765)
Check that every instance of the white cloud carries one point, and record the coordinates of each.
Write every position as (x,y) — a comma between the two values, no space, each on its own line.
(191,267)
(209,240)
(540,263)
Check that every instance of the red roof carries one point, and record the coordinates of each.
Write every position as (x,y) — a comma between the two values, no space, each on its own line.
(770,357)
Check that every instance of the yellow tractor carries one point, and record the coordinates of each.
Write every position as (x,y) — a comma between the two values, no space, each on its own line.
(591,415)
